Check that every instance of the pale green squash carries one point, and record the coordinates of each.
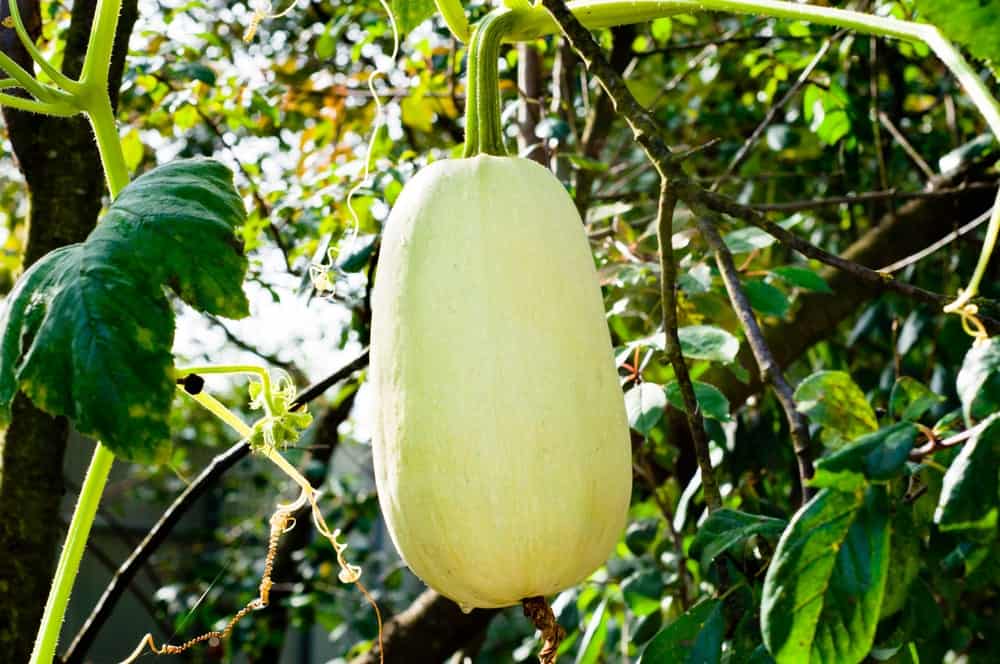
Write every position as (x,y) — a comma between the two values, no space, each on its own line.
(501,446)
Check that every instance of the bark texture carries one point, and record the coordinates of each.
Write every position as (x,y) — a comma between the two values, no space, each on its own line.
(60,163)
(430,630)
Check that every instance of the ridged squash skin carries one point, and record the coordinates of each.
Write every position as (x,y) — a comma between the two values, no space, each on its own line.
(501,445)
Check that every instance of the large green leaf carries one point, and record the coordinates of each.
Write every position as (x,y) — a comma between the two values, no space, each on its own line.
(726,528)
(971,493)
(87,331)
(878,456)
(766,299)
(832,400)
(694,638)
(971,23)
(824,586)
(979,381)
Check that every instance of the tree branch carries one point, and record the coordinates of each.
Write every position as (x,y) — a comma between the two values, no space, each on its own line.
(701,201)
(770,370)
(675,183)
(668,300)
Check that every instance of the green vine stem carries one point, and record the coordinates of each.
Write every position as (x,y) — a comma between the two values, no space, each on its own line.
(60,79)
(69,559)
(229,369)
(483,130)
(92,96)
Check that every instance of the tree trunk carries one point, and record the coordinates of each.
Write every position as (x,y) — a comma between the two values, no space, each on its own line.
(428,632)
(65,183)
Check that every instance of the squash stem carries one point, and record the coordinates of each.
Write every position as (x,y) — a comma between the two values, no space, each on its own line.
(483,131)
(540,613)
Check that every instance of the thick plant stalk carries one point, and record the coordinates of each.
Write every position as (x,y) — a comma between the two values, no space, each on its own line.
(69,560)
(101,116)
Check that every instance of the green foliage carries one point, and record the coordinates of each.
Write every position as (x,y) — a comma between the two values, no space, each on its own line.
(644,406)
(87,331)
(802,277)
(971,492)
(910,399)
(411,13)
(726,529)
(824,587)
(963,21)
(711,402)
(878,456)
(766,299)
(979,381)
(694,638)
(705,342)
(832,400)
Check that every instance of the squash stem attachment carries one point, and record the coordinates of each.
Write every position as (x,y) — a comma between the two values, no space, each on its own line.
(540,613)
(483,131)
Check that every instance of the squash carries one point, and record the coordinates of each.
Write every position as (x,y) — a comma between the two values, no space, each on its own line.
(501,446)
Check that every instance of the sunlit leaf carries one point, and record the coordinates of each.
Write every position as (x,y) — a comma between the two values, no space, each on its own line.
(824,586)
(832,400)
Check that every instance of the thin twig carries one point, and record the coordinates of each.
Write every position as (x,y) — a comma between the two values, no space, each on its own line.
(947,239)
(772,112)
(815,203)
(318,388)
(874,278)
(770,371)
(935,445)
(869,196)
(905,144)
